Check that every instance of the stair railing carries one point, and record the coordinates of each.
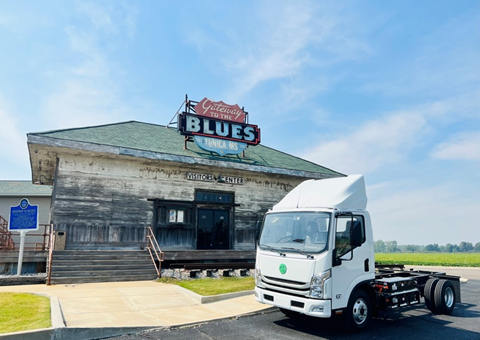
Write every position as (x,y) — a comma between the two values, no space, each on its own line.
(6,242)
(154,248)
(50,254)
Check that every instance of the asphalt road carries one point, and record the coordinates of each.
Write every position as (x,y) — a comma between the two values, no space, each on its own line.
(417,323)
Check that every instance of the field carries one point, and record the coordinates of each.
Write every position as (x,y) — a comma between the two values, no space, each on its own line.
(430,259)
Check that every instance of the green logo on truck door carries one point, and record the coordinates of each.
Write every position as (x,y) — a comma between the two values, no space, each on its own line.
(283,268)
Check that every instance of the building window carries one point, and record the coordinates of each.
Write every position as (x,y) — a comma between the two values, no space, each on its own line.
(170,213)
(177,215)
(214,197)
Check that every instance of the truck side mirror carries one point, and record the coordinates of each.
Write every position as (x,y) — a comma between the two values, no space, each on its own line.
(357,235)
(257,229)
(336,261)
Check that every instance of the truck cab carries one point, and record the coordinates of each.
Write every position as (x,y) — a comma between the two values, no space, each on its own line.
(315,251)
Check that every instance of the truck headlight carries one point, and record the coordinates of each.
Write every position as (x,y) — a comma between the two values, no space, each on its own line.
(317,285)
(258,278)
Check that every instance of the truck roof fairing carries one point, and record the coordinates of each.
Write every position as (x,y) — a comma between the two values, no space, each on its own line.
(343,193)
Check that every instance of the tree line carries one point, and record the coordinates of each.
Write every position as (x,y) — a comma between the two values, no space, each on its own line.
(393,247)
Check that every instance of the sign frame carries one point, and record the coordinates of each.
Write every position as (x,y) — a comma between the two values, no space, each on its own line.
(23,217)
(195,125)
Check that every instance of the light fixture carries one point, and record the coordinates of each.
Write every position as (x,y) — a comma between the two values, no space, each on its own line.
(40,182)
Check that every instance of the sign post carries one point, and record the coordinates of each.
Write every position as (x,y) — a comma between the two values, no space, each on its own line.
(20,253)
(23,217)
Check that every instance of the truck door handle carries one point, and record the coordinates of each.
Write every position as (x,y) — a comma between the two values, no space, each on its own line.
(366,265)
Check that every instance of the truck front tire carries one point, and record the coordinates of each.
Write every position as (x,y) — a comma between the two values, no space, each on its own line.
(359,311)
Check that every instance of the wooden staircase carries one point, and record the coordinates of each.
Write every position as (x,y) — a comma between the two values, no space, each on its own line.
(82,266)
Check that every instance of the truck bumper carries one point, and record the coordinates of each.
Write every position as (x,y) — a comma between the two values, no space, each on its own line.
(311,307)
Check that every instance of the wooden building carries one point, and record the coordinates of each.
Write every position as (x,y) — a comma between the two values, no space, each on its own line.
(111,182)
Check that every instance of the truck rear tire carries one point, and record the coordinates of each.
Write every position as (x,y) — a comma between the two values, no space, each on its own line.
(359,311)
(428,294)
(444,297)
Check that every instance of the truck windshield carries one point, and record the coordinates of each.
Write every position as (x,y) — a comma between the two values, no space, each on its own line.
(300,231)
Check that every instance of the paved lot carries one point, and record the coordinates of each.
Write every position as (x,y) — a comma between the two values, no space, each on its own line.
(416,323)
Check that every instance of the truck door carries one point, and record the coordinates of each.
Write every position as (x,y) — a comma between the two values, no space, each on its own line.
(354,266)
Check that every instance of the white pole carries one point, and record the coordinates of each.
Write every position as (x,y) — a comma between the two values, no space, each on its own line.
(20,253)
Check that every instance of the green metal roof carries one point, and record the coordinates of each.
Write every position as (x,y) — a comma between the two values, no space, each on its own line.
(165,140)
(24,188)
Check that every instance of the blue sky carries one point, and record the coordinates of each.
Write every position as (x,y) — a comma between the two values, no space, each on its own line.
(390,90)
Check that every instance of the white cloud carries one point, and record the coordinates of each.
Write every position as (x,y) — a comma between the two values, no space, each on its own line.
(84,102)
(11,138)
(439,62)
(89,90)
(14,147)
(464,146)
(278,51)
(290,45)
(99,16)
(131,15)
(6,21)
(390,139)
(110,17)
(83,41)
(438,214)
(413,198)
(369,146)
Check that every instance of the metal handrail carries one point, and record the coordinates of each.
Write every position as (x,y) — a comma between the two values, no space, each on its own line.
(35,240)
(153,247)
(50,254)
(6,242)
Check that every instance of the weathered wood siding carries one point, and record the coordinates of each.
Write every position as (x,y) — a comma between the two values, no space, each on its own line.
(256,196)
(106,202)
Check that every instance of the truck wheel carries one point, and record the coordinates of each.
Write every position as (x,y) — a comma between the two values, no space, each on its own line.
(428,294)
(445,297)
(359,311)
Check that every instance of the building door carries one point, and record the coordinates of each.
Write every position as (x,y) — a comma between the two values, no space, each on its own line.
(213,229)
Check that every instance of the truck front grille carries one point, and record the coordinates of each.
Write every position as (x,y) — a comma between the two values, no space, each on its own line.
(296,283)
(286,286)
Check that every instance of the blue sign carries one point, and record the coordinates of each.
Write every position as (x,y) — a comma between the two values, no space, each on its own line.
(220,146)
(23,217)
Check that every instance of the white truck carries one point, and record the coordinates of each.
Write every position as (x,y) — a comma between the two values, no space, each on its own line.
(315,256)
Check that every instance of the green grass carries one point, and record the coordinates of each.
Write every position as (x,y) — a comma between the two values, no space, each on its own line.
(430,259)
(209,286)
(22,312)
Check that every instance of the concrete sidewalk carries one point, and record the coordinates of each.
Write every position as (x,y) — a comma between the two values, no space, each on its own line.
(92,310)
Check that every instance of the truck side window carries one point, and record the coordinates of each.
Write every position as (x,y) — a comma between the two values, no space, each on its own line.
(343,234)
